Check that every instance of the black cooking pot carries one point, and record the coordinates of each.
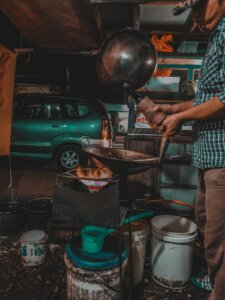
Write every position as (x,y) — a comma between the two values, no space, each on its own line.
(38,213)
(127,56)
(11,218)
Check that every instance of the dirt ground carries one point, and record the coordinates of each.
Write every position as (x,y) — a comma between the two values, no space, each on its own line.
(33,179)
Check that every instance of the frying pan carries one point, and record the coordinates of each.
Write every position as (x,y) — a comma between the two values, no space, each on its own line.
(122,161)
(127,59)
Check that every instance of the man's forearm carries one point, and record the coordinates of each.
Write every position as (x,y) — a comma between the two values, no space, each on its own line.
(211,109)
(179,107)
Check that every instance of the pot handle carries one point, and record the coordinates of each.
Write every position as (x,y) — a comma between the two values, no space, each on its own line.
(144,214)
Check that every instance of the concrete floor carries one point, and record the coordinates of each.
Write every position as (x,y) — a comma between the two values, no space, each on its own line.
(30,179)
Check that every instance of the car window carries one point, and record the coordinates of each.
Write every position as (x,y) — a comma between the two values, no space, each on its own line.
(75,110)
(37,110)
(83,109)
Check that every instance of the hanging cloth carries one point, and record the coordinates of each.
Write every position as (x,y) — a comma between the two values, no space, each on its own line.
(7,76)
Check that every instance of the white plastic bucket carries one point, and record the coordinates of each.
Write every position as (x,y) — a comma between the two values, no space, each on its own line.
(139,235)
(92,284)
(33,247)
(172,248)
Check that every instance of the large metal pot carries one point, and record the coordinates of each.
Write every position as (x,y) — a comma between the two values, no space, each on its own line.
(126,56)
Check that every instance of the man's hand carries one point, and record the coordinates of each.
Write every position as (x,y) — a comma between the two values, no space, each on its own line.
(171,125)
(166,108)
(154,116)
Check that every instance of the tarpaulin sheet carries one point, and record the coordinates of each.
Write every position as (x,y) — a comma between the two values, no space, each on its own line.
(7,75)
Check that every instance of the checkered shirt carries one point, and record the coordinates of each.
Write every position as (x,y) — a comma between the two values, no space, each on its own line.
(209,147)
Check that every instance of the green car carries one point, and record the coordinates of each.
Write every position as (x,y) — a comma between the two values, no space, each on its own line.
(52,127)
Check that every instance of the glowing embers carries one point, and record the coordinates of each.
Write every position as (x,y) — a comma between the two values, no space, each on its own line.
(95,177)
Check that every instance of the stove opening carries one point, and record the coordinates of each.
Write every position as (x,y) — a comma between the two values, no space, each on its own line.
(96,177)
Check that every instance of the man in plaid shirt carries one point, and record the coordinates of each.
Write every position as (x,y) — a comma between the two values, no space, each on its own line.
(207,111)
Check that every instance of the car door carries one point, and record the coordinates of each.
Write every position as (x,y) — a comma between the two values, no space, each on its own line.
(78,118)
(37,124)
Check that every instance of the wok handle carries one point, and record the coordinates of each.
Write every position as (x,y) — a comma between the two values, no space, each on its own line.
(145,105)
(128,89)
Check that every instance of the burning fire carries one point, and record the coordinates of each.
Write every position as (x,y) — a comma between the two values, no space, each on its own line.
(92,177)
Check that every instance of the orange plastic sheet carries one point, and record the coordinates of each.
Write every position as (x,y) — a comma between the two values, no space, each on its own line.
(7,75)
(163,44)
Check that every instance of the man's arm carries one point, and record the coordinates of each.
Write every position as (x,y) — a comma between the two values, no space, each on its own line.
(173,108)
(179,107)
(211,109)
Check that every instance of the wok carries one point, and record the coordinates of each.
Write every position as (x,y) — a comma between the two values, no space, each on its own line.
(127,59)
(122,161)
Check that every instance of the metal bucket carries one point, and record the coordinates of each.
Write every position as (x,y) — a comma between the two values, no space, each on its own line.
(33,247)
(172,249)
(139,232)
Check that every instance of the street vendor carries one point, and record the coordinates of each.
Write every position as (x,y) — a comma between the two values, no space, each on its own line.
(207,111)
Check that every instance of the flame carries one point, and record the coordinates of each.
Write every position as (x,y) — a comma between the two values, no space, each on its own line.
(91,177)
(94,173)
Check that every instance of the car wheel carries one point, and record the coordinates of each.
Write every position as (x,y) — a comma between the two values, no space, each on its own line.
(68,157)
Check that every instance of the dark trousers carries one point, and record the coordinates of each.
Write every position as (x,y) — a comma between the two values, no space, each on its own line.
(210,219)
